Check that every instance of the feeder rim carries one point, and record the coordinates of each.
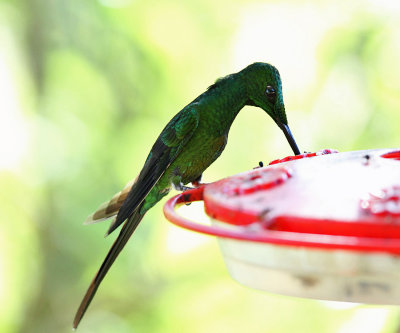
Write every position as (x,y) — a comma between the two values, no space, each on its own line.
(275,237)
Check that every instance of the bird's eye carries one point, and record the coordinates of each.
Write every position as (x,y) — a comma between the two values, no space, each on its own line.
(271,93)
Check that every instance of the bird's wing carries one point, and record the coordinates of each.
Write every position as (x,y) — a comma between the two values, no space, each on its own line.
(167,147)
(170,143)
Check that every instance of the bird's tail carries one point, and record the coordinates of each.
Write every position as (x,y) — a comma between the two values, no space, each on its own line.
(110,208)
(126,232)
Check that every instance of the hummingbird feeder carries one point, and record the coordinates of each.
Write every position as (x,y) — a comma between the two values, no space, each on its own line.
(324,225)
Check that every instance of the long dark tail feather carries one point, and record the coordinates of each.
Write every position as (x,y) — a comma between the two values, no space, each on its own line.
(126,232)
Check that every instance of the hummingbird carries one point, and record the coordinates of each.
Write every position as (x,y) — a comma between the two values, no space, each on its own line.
(192,140)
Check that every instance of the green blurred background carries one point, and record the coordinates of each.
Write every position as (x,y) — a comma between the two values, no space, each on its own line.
(86,87)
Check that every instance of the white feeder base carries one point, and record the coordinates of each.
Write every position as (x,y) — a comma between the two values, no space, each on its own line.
(335,275)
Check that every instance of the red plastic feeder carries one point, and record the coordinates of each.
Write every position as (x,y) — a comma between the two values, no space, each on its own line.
(318,225)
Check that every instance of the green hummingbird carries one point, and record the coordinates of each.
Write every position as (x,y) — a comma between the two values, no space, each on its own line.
(193,139)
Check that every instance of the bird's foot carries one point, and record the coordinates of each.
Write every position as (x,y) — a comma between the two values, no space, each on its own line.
(181,187)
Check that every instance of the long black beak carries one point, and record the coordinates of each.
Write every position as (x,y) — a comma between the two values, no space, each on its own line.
(290,138)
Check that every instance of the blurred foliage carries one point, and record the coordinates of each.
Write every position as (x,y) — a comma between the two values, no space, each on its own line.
(86,86)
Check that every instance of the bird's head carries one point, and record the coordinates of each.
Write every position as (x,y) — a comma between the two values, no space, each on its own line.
(264,89)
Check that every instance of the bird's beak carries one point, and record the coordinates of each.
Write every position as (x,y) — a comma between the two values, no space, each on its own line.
(285,128)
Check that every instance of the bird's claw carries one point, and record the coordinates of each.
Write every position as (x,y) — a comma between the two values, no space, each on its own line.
(181,187)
